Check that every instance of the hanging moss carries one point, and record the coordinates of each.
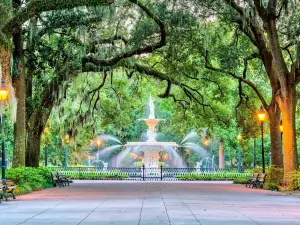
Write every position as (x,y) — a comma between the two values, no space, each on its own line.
(264,3)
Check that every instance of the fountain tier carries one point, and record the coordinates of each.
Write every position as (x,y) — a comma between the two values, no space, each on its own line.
(151,147)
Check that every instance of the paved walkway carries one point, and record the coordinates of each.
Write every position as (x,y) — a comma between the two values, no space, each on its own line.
(149,203)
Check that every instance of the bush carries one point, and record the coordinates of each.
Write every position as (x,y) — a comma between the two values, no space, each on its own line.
(93,175)
(293,180)
(29,179)
(274,177)
(218,175)
(240,181)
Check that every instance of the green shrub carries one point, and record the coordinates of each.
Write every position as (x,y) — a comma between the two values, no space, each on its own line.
(29,179)
(22,175)
(293,180)
(93,175)
(240,181)
(218,175)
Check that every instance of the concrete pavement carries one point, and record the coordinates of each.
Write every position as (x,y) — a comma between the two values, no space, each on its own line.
(149,203)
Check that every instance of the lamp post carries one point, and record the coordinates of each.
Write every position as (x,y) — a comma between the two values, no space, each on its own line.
(3,100)
(281,136)
(67,141)
(46,130)
(262,116)
(239,137)
(254,153)
(46,155)
(99,142)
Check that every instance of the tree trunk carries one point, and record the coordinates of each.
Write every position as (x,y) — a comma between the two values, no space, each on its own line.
(33,148)
(19,128)
(288,110)
(19,86)
(275,134)
(286,96)
(36,125)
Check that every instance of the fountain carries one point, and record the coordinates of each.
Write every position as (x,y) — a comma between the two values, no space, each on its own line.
(151,147)
(154,150)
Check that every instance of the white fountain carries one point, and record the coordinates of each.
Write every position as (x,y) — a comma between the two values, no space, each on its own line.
(151,147)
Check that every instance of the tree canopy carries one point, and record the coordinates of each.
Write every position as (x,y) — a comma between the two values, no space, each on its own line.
(87,67)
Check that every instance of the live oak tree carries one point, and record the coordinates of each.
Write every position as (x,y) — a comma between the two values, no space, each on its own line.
(268,29)
(272,28)
(43,92)
(18,14)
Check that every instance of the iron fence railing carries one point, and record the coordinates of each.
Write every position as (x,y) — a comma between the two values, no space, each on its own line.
(159,173)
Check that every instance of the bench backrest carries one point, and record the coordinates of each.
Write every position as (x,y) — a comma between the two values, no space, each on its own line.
(262,177)
(255,177)
(10,183)
(53,175)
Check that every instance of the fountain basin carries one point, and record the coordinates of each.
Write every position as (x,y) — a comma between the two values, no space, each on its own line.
(152,144)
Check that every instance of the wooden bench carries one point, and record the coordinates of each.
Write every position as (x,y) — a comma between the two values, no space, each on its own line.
(252,180)
(56,180)
(8,189)
(66,179)
(261,181)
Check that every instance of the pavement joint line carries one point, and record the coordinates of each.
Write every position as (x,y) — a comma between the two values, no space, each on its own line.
(187,207)
(43,212)
(92,211)
(145,191)
(228,206)
(164,204)
(287,213)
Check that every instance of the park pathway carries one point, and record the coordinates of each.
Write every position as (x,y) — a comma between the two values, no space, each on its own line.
(149,203)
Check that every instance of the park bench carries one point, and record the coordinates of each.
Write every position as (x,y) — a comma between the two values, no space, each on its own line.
(66,179)
(261,181)
(252,180)
(56,180)
(8,189)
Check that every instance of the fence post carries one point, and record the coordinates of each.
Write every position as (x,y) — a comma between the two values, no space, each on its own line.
(161,172)
(143,172)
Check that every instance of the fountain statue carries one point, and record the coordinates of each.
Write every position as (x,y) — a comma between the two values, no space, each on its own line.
(198,167)
(151,108)
(105,164)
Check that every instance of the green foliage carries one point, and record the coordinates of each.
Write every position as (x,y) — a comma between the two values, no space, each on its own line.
(163,164)
(293,180)
(240,180)
(29,179)
(21,175)
(217,104)
(219,175)
(138,164)
(91,175)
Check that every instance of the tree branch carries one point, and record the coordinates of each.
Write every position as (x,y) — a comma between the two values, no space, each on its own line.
(249,83)
(35,7)
(138,51)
